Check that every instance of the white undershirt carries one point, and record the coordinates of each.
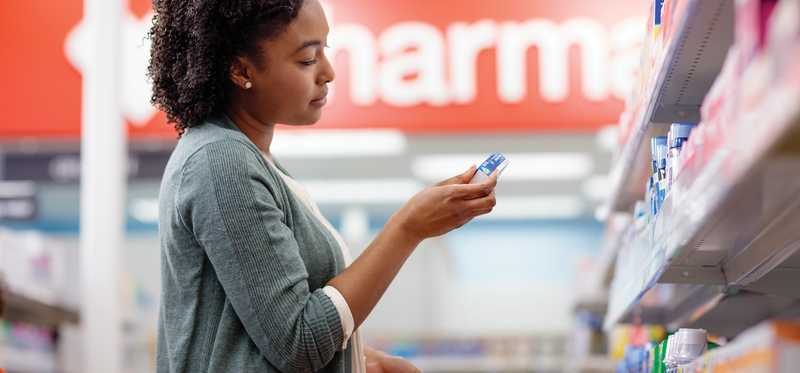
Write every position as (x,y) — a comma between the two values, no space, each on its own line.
(345,315)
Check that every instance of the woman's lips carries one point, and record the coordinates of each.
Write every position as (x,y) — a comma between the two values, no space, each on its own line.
(321,100)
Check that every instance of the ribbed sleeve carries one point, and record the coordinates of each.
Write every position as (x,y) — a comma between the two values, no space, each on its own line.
(236,214)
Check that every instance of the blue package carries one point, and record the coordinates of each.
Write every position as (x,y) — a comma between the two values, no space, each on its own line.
(496,161)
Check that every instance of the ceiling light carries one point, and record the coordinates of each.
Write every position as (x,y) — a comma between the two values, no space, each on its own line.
(338,143)
(597,188)
(17,189)
(607,138)
(553,207)
(361,191)
(522,166)
(144,210)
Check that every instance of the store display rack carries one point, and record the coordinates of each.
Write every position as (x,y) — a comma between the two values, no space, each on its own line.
(487,364)
(24,309)
(590,364)
(695,48)
(736,225)
(731,223)
(16,360)
(34,269)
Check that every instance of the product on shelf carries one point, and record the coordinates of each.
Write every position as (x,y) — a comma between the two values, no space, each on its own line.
(751,25)
(653,187)
(655,142)
(690,344)
(666,356)
(752,102)
(624,335)
(587,336)
(769,347)
(678,134)
(21,336)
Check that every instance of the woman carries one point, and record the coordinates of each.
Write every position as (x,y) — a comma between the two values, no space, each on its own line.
(253,277)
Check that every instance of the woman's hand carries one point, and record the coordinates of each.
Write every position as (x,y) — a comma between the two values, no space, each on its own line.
(381,362)
(447,205)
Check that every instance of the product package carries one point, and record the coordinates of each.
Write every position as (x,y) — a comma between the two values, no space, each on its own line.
(770,347)
(496,161)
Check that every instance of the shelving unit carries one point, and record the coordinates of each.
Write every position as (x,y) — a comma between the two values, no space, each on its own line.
(487,364)
(14,360)
(736,225)
(590,364)
(37,305)
(727,235)
(24,309)
(695,48)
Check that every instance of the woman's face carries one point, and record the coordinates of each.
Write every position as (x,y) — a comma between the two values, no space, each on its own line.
(290,84)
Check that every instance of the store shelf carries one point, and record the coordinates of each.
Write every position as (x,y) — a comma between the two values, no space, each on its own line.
(16,360)
(597,305)
(733,224)
(591,283)
(23,309)
(479,364)
(694,51)
(590,364)
(732,314)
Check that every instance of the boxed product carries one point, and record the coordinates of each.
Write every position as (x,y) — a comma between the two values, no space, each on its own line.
(770,347)
(751,25)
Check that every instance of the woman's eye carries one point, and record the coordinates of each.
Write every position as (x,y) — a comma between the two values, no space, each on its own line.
(308,62)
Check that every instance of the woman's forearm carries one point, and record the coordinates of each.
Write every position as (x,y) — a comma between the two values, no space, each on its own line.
(363,283)
(432,212)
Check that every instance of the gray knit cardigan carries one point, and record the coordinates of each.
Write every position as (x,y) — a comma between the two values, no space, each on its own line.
(243,264)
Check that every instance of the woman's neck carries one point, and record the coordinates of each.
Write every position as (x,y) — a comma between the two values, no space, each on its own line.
(260,134)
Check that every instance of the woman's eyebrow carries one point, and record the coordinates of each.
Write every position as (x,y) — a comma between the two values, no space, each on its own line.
(307,44)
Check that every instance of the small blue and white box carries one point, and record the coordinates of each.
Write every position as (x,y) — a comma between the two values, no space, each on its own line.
(496,161)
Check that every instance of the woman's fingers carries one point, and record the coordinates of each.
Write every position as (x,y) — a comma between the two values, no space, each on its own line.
(472,191)
(480,203)
(374,367)
(476,213)
(461,178)
(396,364)
(442,208)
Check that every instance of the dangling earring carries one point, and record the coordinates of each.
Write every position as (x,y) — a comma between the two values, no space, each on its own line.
(248,85)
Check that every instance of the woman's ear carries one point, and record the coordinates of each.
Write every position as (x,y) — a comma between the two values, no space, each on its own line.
(239,75)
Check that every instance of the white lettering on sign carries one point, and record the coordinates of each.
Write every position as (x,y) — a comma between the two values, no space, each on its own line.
(412,49)
(405,65)
(412,63)
(134,53)
(465,41)
(552,42)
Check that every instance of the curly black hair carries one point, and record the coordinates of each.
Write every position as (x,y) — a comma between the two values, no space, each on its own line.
(194,43)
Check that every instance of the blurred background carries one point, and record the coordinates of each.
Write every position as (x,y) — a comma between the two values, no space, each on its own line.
(424,89)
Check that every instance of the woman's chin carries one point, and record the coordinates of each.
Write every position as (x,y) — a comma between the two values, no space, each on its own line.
(309,120)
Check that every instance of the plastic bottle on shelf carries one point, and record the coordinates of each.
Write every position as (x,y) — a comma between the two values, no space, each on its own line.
(661,186)
(678,134)
(649,357)
(662,353)
(640,214)
(668,356)
(669,141)
(650,197)
(691,344)
(654,143)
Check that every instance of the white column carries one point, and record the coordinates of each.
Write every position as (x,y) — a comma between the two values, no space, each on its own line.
(103,180)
